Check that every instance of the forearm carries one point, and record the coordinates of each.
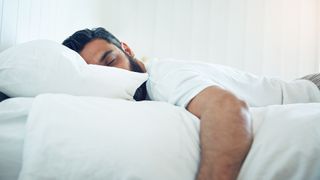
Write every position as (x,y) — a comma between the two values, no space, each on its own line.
(225,139)
(225,133)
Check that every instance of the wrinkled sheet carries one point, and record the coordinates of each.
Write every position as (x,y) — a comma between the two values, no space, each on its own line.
(69,137)
(286,143)
(13,117)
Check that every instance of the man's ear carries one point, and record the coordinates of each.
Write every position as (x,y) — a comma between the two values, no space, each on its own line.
(127,49)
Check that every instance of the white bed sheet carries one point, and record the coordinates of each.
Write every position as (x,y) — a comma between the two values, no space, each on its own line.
(99,138)
(286,143)
(13,117)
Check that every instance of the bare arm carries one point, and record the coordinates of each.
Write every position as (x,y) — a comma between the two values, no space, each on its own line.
(225,133)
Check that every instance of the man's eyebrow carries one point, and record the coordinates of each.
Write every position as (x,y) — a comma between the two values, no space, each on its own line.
(105,55)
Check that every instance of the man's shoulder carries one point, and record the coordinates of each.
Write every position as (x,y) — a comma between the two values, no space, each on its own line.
(162,65)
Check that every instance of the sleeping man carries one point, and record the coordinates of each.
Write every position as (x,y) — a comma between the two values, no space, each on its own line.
(219,96)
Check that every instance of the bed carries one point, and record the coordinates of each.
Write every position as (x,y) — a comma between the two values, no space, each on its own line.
(58,125)
(13,116)
(71,137)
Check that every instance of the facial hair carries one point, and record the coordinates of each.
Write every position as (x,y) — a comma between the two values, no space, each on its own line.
(141,92)
(134,66)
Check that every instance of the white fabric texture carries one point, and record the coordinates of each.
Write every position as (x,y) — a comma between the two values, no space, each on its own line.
(13,117)
(177,82)
(71,137)
(80,138)
(286,143)
(44,66)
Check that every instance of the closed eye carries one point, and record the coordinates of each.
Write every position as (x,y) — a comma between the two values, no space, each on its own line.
(110,62)
(105,56)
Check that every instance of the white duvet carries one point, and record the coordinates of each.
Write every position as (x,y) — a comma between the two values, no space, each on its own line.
(75,138)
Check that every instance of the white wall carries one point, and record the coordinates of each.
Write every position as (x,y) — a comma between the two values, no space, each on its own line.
(24,20)
(318,29)
(270,37)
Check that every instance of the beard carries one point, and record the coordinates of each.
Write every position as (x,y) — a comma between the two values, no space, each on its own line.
(134,66)
(141,92)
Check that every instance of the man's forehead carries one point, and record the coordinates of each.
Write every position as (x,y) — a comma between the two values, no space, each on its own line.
(95,49)
(99,44)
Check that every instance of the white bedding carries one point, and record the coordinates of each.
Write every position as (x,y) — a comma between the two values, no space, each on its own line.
(286,144)
(13,117)
(78,138)
(72,137)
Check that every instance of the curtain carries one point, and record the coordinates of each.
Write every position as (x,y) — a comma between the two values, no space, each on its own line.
(278,38)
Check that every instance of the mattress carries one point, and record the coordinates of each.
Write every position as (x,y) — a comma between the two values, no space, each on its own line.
(13,117)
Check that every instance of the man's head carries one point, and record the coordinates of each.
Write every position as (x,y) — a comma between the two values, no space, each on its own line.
(98,46)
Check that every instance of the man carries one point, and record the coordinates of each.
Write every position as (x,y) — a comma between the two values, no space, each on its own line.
(212,93)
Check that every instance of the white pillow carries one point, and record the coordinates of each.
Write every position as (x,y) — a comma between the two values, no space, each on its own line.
(44,66)
(80,138)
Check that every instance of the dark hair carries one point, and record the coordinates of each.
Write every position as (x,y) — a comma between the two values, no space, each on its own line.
(79,39)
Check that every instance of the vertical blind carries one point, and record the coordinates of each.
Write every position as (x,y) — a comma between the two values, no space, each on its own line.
(25,20)
(278,38)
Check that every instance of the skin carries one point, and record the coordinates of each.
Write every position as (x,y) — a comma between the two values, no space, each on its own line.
(103,53)
(225,124)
